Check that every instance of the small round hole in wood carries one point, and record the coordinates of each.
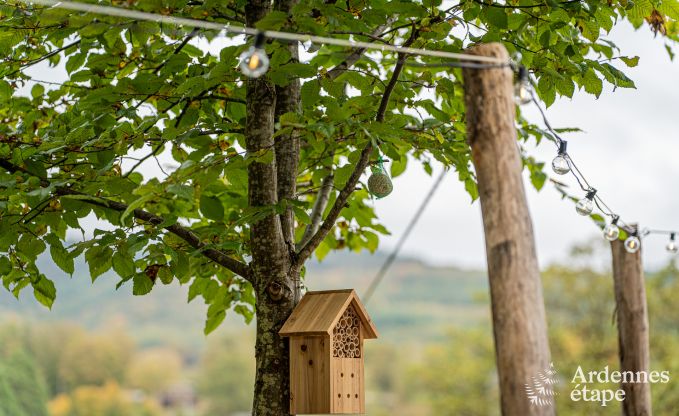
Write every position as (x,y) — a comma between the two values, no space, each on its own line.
(357,396)
(303,347)
(339,395)
(348,396)
(352,375)
(311,362)
(341,374)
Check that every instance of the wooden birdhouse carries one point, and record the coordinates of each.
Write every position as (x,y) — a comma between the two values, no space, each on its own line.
(326,332)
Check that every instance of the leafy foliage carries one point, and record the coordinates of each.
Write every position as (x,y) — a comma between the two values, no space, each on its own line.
(141,94)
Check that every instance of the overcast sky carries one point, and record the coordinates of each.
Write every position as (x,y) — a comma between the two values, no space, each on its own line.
(628,151)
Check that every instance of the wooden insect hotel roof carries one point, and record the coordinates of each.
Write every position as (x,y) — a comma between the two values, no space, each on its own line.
(318,313)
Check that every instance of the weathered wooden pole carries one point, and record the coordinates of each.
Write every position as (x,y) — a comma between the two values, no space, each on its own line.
(519,323)
(632,317)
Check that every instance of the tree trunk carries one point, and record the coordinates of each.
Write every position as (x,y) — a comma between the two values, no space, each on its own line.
(632,316)
(271,261)
(519,323)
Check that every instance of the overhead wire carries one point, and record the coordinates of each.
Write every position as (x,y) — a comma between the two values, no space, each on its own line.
(379,276)
(271,34)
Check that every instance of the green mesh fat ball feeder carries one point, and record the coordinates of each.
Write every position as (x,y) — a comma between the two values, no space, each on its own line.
(379,182)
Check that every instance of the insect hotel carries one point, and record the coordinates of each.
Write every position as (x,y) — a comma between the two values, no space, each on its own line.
(326,332)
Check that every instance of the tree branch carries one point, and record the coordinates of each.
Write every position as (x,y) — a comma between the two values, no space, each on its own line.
(362,163)
(356,54)
(46,56)
(185,234)
(317,211)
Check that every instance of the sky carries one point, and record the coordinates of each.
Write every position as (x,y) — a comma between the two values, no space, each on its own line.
(628,152)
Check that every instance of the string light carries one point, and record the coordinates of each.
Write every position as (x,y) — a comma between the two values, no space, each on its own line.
(632,244)
(255,62)
(585,206)
(672,246)
(611,230)
(523,90)
(560,163)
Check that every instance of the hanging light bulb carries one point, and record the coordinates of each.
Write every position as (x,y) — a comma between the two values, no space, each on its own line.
(632,244)
(611,231)
(585,206)
(560,163)
(523,89)
(254,62)
(672,247)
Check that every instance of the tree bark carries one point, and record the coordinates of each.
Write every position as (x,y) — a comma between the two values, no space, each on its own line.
(287,150)
(270,255)
(632,317)
(519,323)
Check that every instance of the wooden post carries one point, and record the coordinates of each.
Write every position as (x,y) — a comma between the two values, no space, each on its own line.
(519,323)
(632,317)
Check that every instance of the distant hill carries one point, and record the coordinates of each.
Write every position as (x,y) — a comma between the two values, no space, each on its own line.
(414,301)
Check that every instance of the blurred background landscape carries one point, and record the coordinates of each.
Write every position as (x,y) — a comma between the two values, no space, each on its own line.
(102,352)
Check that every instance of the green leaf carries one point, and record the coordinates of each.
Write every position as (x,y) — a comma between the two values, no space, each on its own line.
(137,203)
(310,93)
(641,9)
(94,29)
(342,174)
(497,17)
(182,191)
(273,20)
(5,90)
(37,91)
(123,264)
(75,62)
(5,266)
(44,291)
(471,188)
(98,259)
(212,208)
(213,321)
(546,90)
(30,246)
(398,166)
(165,275)
(630,61)
(590,29)
(669,8)
(141,284)
(197,287)
(592,83)
(62,258)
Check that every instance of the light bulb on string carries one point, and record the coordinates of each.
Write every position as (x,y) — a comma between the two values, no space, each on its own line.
(611,230)
(672,246)
(585,206)
(632,244)
(560,163)
(523,93)
(254,62)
